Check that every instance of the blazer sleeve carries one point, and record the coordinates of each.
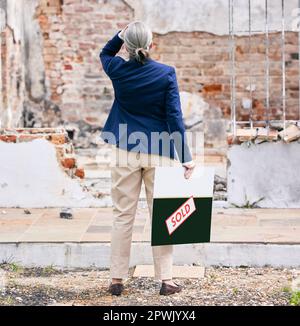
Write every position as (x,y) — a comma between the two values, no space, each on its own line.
(175,119)
(109,52)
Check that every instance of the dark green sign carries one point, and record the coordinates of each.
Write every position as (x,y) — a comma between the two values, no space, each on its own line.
(193,228)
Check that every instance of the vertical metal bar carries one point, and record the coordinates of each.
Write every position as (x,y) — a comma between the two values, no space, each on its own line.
(250,64)
(283,65)
(232,60)
(2,27)
(1,87)
(298,26)
(267,61)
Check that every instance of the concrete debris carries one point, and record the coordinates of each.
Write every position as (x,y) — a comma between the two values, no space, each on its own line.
(261,135)
(291,133)
(220,188)
(220,181)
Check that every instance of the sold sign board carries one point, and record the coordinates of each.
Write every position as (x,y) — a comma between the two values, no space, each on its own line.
(182,208)
(180,215)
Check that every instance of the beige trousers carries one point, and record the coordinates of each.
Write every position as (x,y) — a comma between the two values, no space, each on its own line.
(129,170)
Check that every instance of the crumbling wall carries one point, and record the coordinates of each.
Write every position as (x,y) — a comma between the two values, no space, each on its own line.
(56,136)
(25,93)
(40,169)
(51,73)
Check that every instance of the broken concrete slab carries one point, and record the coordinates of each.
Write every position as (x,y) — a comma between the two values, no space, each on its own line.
(246,134)
(267,134)
(290,134)
(97,255)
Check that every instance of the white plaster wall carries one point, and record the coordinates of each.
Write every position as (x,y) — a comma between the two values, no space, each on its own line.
(30,176)
(269,170)
(165,16)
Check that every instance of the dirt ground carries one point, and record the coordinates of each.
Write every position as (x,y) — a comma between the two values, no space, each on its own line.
(220,286)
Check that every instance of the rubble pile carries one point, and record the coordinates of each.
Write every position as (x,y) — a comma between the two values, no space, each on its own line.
(260,135)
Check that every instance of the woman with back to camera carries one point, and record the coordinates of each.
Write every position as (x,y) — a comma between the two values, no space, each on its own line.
(146,104)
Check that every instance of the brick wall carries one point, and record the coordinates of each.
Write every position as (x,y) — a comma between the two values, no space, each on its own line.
(203,66)
(49,15)
(74,31)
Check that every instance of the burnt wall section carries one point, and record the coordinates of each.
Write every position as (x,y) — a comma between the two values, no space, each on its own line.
(25,91)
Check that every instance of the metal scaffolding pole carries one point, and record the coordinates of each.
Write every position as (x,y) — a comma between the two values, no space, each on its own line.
(267,61)
(232,60)
(283,65)
(298,26)
(250,64)
(2,26)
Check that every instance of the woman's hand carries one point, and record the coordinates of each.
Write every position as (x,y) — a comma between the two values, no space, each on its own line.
(189,169)
(121,34)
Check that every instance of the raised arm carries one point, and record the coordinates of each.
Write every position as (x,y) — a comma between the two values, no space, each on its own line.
(109,52)
(175,120)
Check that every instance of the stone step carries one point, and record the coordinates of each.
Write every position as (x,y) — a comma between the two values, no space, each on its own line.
(97,255)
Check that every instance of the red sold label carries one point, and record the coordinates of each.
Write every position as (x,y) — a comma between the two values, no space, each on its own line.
(180,215)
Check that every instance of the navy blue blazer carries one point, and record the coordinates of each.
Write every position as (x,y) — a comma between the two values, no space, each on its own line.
(147,102)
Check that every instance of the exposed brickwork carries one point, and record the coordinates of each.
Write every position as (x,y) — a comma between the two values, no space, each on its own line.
(74,31)
(80,173)
(203,65)
(49,15)
(57,136)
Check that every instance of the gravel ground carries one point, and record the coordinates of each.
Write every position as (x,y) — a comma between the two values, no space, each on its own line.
(220,286)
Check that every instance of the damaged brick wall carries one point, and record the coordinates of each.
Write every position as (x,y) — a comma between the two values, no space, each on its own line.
(49,15)
(203,66)
(57,136)
(77,33)
(25,94)
(78,94)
